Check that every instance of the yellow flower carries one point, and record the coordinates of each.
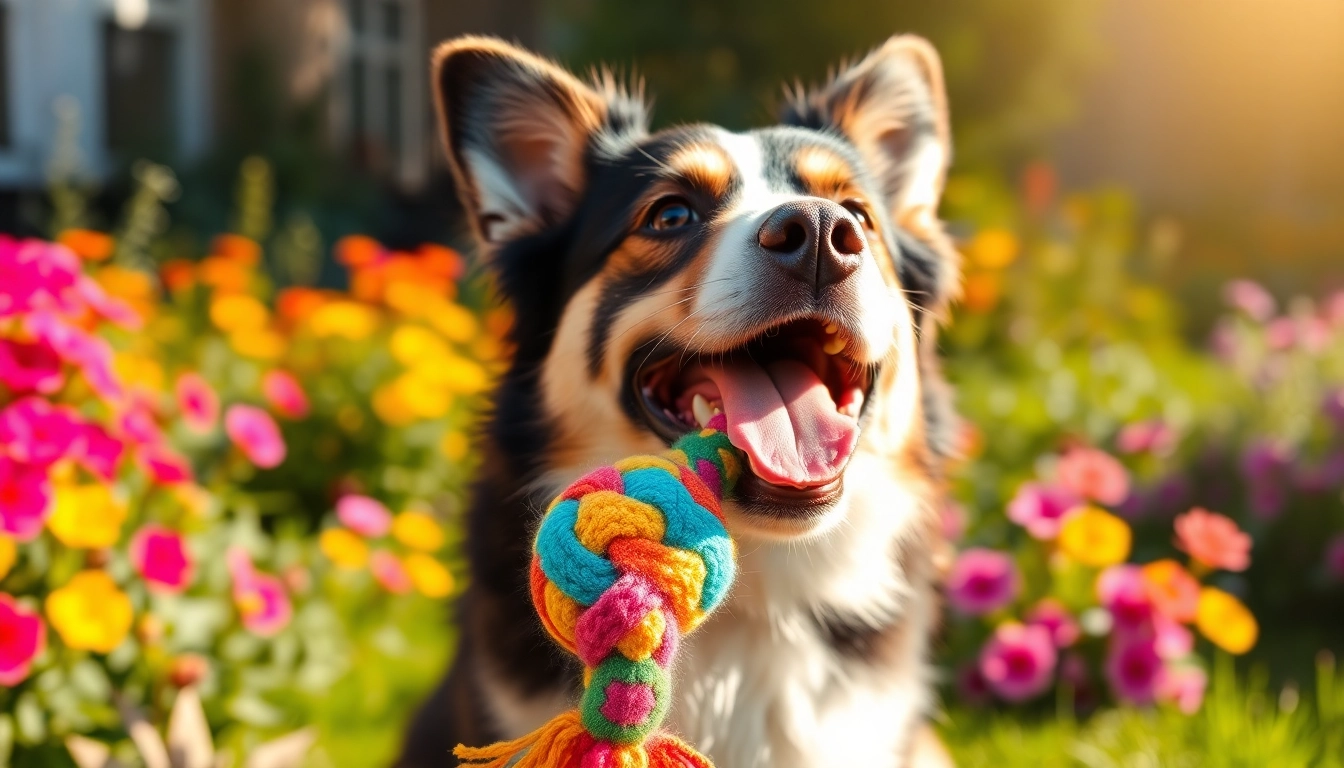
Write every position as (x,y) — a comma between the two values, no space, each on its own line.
(86,516)
(993,249)
(260,344)
(454,373)
(389,406)
(90,613)
(454,321)
(1095,537)
(422,396)
(417,530)
(238,312)
(8,554)
(347,319)
(139,371)
(1225,621)
(412,298)
(412,344)
(455,446)
(428,575)
(344,548)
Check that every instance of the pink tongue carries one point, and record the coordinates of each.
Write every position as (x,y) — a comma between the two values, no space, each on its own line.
(783,416)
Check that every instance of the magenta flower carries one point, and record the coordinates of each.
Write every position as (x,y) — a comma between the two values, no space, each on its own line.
(363,515)
(30,367)
(389,572)
(1334,407)
(164,466)
(1056,619)
(1184,686)
(1334,558)
(1154,436)
(982,581)
(161,557)
(1134,669)
(1249,297)
(262,601)
(111,309)
(1018,661)
(98,451)
(1124,594)
(32,430)
(92,355)
(1094,475)
(22,638)
(197,401)
(256,435)
(35,275)
(25,494)
(285,394)
(139,426)
(1041,508)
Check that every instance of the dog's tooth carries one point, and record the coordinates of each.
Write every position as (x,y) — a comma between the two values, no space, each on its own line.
(832,328)
(700,407)
(833,346)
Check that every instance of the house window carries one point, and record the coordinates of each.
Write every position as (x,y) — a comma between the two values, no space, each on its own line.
(139,88)
(5,139)
(383,105)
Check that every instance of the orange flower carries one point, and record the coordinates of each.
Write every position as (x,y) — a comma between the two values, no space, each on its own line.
(297,303)
(243,250)
(87,244)
(358,251)
(1174,592)
(981,291)
(224,274)
(442,261)
(993,248)
(1213,540)
(178,274)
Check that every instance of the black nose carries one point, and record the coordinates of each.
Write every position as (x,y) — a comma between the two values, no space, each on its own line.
(816,241)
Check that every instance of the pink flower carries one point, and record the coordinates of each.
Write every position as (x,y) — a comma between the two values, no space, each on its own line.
(35,275)
(982,581)
(285,394)
(1213,540)
(164,466)
(1055,619)
(389,572)
(30,367)
(1334,557)
(139,426)
(1134,670)
(98,451)
(33,431)
(1018,661)
(197,401)
(1334,407)
(363,515)
(111,309)
(1041,508)
(24,498)
(1124,594)
(1249,297)
(1094,475)
(1334,309)
(1171,639)
(22,638)
(1155,437)
(261,599)
(1281,333)
(161,557)
(92,355)
(255,433)
(1184,686)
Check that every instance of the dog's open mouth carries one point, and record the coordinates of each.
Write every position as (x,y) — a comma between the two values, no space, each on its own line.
(792,399)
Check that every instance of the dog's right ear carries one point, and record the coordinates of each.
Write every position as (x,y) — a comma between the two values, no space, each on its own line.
(516,128)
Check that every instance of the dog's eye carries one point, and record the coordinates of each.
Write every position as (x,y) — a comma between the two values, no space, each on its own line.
(672,213)
(860,212)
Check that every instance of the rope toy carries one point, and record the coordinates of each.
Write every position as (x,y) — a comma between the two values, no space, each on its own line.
(628,559)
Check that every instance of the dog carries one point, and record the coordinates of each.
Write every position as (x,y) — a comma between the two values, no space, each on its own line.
(793,278)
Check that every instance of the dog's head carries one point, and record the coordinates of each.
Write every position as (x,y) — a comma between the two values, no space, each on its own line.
(788,276)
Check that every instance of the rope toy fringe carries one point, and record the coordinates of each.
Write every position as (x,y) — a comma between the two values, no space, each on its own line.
(628,559)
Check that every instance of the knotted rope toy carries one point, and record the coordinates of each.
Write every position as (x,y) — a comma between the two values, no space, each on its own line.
(628,559)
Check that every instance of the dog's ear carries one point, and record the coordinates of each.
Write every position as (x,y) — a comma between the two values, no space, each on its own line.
(516,128)
(893,107)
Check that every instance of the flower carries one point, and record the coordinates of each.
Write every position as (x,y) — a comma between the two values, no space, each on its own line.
(1055,619)
(1173,591)
(284,393)
(188,669)
(1094,475)
(32,430)
(1184,686)
(1251,298)
(1040,508)
(30,367)
(1171,639)
(87,244)
(24,497)
(455,446)
(243,250)
(363,515)
(1134,669)
(255,433)
(35,276)
(1334,407)
(428,575)
(261,599)
(1225,621)
(22,638)
(972,687)
(390,573)
(98,451)
(161,557)
(86,516)
(1334,557)
(981,581)
(9,552)
(993,248)
(1155,437)
(197,401)
(418,530)
(1093,536)
(90,613)
(344,548)
(233,312)
(1124,595)
(1019,661)
(164,466)
(347,319)
(1213,540)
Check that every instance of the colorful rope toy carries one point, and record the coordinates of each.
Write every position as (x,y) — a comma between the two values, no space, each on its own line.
(628,559)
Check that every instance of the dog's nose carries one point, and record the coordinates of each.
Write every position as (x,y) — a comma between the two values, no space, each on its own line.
(816,241)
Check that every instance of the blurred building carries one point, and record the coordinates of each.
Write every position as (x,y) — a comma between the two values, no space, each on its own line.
(159,77)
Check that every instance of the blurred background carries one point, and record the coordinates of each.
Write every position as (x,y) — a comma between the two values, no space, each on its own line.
(1148,195)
